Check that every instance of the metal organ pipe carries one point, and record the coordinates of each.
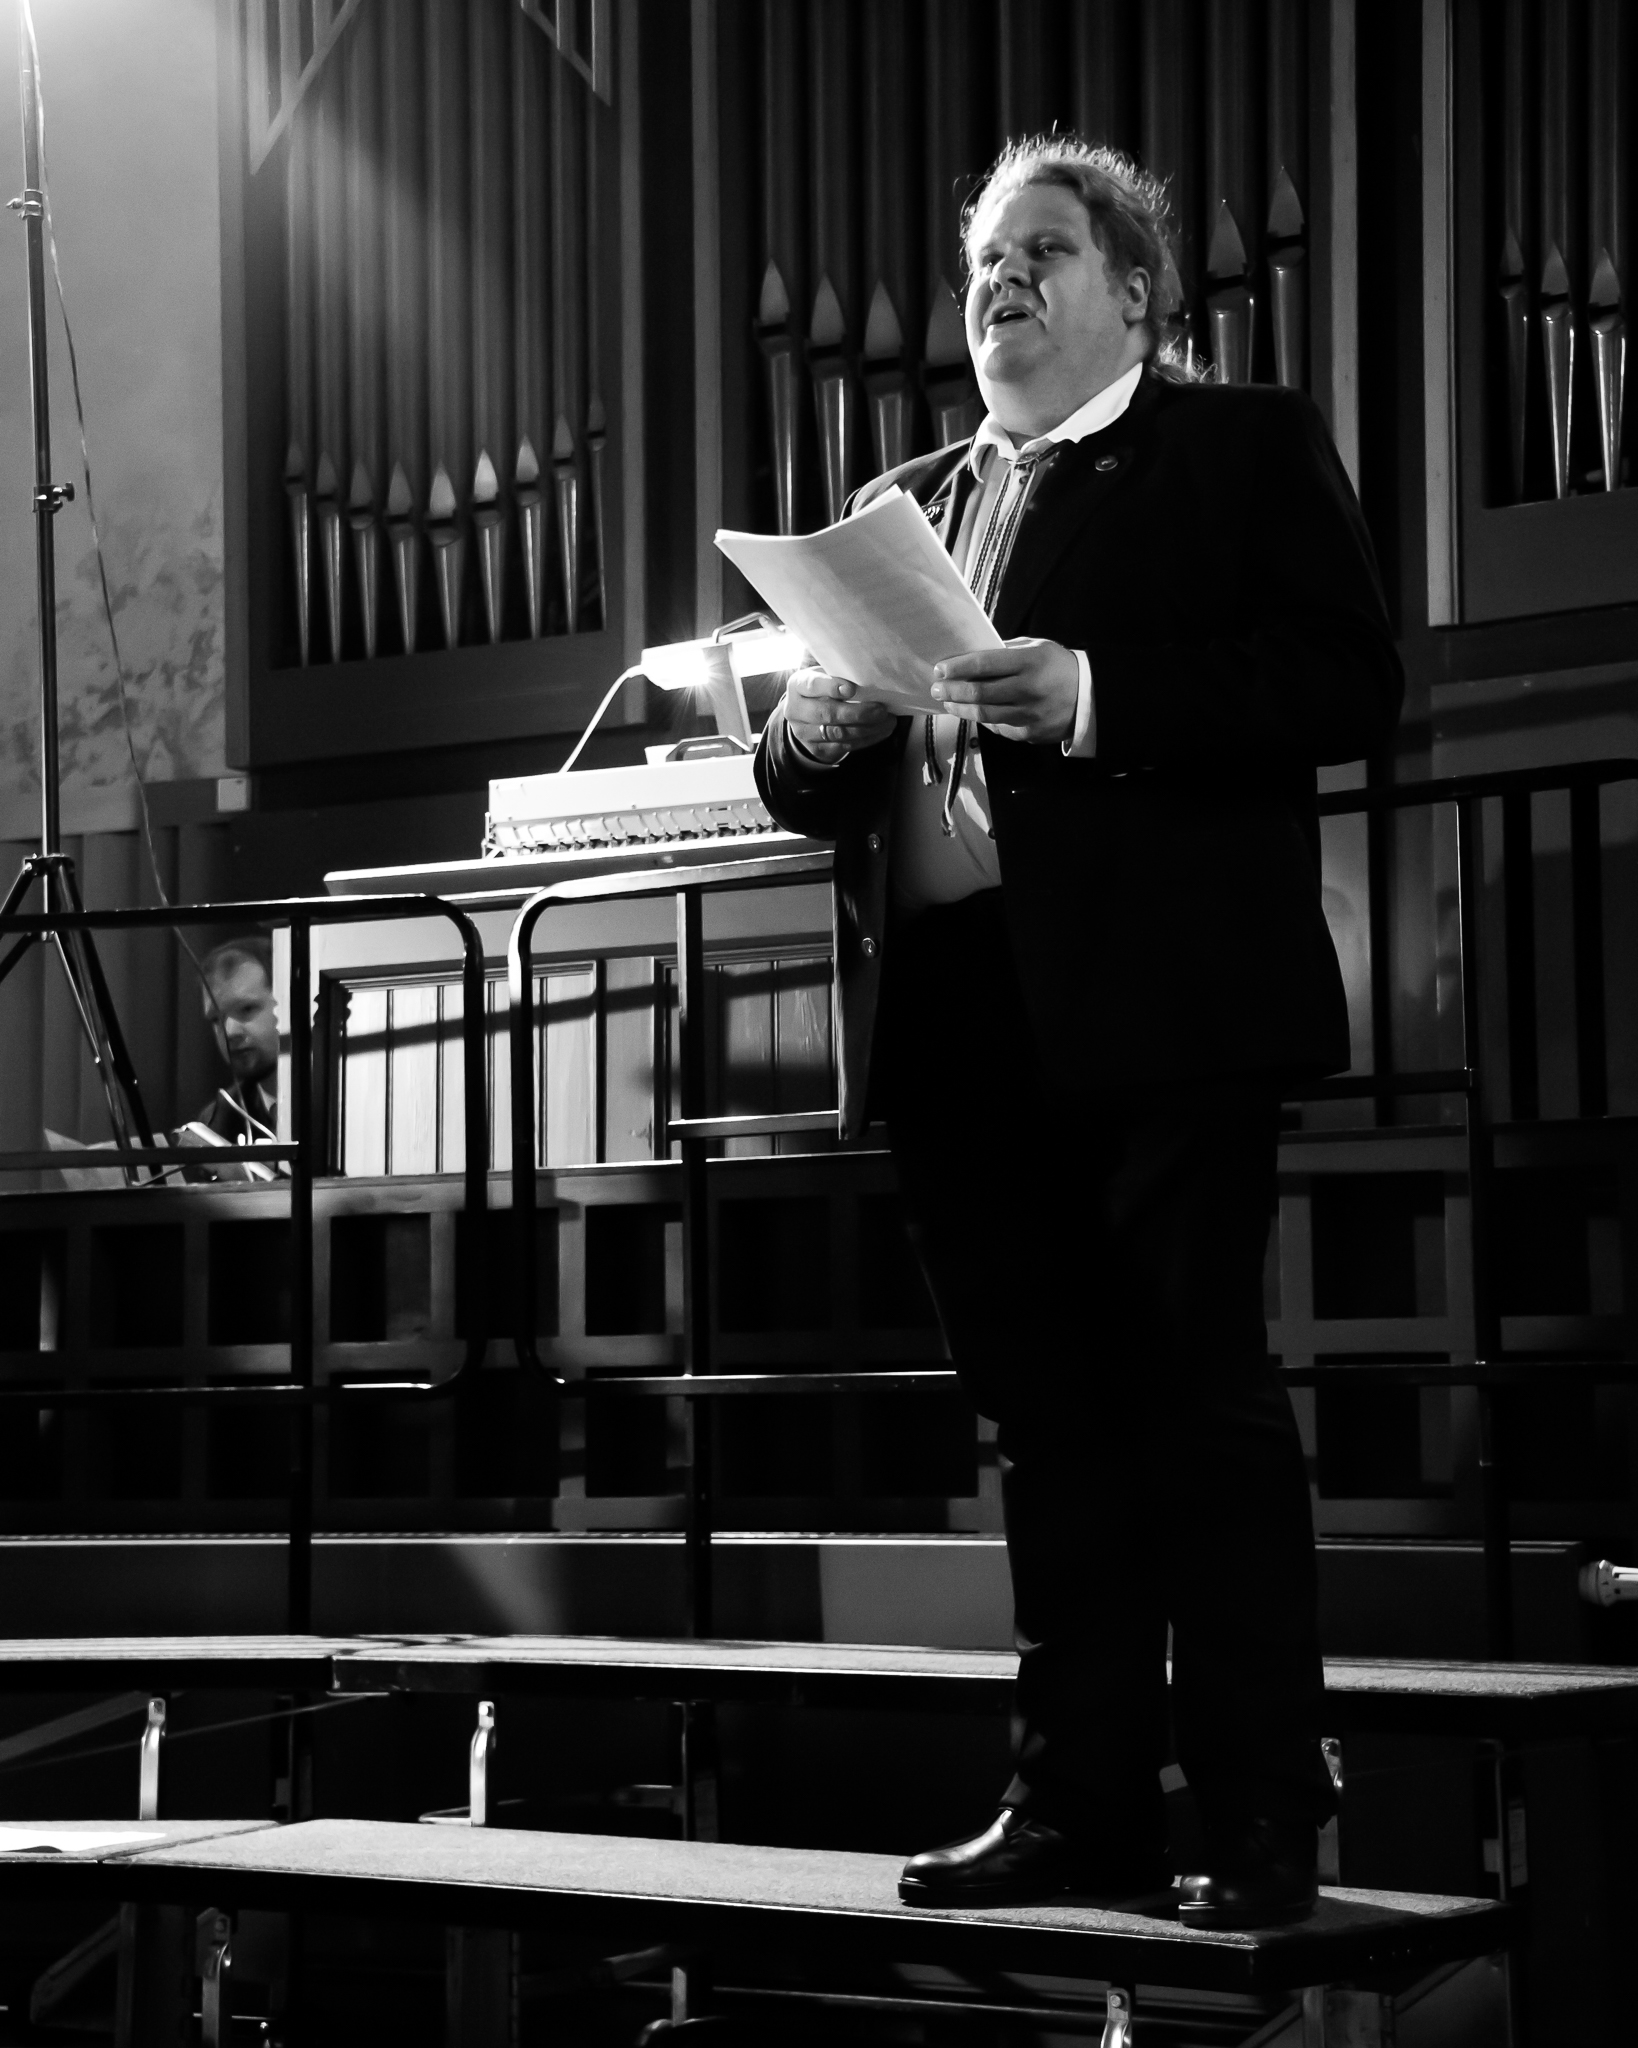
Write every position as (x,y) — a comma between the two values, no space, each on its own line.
(403,253)
(330,336)
(785,270)
(956,154)
(448,375)
(830,69)
(298,376)
(1231,305)
(1287,226)
(489,298)
(1558,239)
(361,85)
(440,345)
(1103,59)
(888,230)
(1169,129)
(568,362)
(1607,204)
(1514,266)
(597,422)
(531,309)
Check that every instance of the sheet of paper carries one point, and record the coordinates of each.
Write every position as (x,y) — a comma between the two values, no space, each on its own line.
(874,598)
(16,1841)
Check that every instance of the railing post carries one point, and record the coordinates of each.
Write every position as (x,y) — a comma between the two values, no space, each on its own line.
(520,989)
(299,1564)
(475,1097)
(1498,1559)
(696,1252)
(1587,918)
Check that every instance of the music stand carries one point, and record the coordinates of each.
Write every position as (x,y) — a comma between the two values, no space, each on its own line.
(51,867)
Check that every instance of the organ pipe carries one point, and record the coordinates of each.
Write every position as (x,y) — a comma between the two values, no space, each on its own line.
(531,309)
(568,362)
(1230,179)
(1021,67)
(489,298)
(783,142)
(361,123)
(956,153)
(442,345)
(298,370)
(448,286)
(330,338)
(832,395)
(1169,130)
(1287,183)
(835,256)
(1607,172)
(887,239)
(404,275)
(1557,237)
(776,335)
(597,424)
(1103,61)
(1513,269)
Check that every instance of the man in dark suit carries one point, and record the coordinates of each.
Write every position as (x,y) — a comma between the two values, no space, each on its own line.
(1081,951)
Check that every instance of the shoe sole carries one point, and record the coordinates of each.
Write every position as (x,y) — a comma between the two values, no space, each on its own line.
(978,1895)
(913,1894)
(1215,1917)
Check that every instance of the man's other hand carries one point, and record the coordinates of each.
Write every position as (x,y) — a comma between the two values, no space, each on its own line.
(1026,690)
(828,719)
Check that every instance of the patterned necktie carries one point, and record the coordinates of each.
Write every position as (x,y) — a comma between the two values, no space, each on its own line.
(988,566)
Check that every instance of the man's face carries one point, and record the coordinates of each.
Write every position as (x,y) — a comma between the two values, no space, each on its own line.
(1047,326)
(240,1006)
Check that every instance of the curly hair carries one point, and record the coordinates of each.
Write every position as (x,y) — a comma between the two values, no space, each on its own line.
(1126,205)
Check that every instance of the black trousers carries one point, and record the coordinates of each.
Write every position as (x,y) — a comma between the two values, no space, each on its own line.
(1097,1265)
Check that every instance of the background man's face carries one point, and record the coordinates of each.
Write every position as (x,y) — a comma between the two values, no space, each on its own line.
(240,1007)
(1047,326)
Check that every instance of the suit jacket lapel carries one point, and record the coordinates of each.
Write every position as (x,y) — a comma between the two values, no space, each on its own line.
(1077,483)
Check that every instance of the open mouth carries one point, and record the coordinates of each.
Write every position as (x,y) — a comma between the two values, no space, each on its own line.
(1006,314)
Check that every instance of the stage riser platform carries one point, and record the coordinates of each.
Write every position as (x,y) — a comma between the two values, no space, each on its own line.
(1408,1600)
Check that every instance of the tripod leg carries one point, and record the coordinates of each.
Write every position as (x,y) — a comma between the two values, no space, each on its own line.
(102,1003)
(19,889)
(123,1071)
(74,974)
(16,954)
(14,895)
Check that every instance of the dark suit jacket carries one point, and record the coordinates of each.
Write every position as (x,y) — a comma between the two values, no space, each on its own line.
(1208,553)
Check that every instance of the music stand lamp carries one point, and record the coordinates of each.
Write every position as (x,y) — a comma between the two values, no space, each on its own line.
(51,867)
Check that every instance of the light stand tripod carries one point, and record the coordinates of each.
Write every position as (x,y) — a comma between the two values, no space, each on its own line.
(51,867)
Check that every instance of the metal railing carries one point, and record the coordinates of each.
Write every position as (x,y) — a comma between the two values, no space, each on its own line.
(696,1132)
(299,1393)
(1487,1373)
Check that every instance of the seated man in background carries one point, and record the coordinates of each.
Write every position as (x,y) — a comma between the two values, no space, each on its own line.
(239,1006)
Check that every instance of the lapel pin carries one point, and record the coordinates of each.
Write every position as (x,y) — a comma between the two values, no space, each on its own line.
(1106,462)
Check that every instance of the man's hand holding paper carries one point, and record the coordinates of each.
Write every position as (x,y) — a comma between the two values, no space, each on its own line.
(1026,689)
(875,600)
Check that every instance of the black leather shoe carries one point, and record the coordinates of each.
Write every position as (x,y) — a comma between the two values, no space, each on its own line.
(1262,1874)
(1017,1860)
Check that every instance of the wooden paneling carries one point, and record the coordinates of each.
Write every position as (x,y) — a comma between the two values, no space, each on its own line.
(599,1024)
